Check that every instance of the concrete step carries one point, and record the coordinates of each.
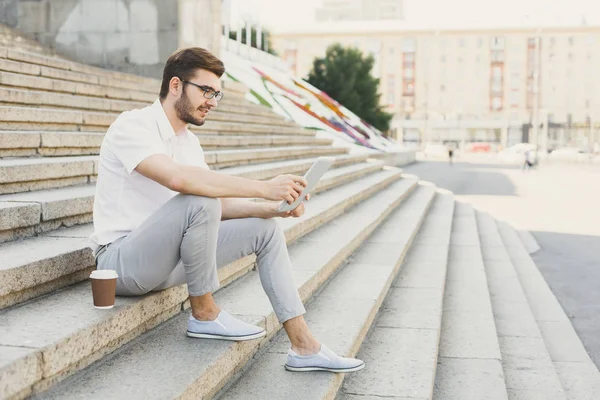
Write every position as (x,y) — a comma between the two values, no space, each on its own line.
(470,361)
(10,37)
(26,174)
(527,366)
(53,144)
(26,214)
(36,70)
(529,241)
(101,90)
(227,158)
(341,314)
(578,375)
(73,116)
(63,64)
(402,348)
(58,258)
(56,119)
(229,128)
(215,363)
(23,81)
(32,98)
(66,347)
(27,62)
(99,83)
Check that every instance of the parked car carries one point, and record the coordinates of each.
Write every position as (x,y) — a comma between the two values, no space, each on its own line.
(516,153)
(567,154)
(436,150)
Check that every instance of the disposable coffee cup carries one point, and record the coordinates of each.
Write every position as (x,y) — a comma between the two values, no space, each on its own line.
(104,286)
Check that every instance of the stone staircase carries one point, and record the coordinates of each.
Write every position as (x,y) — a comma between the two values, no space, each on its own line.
(442,301)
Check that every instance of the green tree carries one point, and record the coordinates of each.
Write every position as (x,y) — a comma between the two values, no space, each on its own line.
(345,75)
(266,38)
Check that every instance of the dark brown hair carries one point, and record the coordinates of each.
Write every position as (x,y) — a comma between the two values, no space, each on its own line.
(184,63)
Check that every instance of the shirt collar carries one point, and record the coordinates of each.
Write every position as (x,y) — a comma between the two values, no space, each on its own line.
(164,126)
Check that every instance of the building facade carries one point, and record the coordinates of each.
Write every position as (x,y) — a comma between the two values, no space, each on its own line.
(360,10)
(135,36)
(500,85)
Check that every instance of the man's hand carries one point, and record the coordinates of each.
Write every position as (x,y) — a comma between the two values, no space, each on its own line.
(295,213)
(284,188)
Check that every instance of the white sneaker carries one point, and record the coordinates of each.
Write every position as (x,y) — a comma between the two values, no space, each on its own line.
(224,327)
(324,360)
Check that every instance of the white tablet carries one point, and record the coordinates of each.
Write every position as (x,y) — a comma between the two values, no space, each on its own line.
(313,175)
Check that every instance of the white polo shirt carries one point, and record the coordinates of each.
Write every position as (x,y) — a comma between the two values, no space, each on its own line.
(124,198)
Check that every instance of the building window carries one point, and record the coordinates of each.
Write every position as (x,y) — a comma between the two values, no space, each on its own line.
(461,42)
(391,99)
(497,43)
(409,58)
(514,99)
(591,39)
(497,56)
(409,45)
(497,72)
(479,42)
(571,40)
(391,89)
(552,41)
(497,85)
(515,82)
(496,103)
(409,73)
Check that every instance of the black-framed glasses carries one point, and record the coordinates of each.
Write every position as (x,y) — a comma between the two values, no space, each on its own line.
(209,92)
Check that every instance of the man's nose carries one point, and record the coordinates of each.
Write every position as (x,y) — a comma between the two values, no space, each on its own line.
(212,102)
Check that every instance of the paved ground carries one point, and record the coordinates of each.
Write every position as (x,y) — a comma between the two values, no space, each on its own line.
(560,205)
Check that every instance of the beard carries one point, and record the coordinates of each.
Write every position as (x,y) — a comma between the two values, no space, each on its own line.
(185,111)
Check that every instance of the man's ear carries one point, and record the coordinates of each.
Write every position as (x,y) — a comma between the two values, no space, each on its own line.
(175,86)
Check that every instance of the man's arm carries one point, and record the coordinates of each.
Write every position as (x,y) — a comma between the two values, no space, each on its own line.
(203,182)
(244,208)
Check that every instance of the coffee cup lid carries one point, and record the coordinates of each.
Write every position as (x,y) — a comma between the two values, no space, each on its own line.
(104,274)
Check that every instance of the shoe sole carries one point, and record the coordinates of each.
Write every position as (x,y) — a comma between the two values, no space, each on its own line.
(221,337)
(307,369)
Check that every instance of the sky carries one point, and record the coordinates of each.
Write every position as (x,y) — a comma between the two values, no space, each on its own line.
(281,14)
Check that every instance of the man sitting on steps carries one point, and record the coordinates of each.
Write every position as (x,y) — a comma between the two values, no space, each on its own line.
(162,218)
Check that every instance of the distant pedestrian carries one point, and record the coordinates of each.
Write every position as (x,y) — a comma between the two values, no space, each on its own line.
(529,161)
(450,155)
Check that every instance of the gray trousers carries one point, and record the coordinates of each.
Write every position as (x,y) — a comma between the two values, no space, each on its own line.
(185,241)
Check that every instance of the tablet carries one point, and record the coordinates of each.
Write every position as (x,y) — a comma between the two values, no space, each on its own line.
(313,175)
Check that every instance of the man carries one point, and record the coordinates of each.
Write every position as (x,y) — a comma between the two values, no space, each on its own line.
(529,160)
(162,218)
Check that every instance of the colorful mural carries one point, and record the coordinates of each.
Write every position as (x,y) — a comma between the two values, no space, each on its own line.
(304,104)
